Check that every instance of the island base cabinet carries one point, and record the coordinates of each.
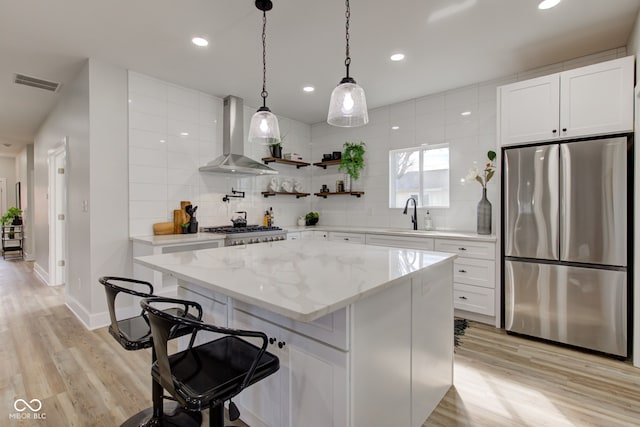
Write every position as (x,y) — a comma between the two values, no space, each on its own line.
(310,389)
(402,351)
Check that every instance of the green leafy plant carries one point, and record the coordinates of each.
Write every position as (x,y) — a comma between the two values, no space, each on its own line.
(11,214)
(312,218)
(486,174)
(352,160)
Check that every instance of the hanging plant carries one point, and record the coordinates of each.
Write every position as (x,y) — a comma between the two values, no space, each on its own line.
(352,160)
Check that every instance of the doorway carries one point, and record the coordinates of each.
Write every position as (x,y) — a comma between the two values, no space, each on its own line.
(3,196)
(58,214)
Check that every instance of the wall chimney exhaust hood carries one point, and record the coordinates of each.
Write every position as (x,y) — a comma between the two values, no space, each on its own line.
(233,160)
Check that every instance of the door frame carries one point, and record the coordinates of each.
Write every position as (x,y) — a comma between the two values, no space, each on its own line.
(57,206)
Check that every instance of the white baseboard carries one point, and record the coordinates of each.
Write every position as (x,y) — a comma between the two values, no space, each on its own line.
(102,319)
(41,273)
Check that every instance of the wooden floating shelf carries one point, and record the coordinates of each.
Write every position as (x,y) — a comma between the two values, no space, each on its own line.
(275,193)
(295,163)
(326,163)
(352,193)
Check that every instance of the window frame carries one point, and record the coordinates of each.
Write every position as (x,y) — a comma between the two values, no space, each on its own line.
(421,153)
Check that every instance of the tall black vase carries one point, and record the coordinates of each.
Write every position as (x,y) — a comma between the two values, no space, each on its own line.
(484,214)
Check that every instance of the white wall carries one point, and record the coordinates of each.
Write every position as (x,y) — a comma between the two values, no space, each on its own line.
(164,173)
(431,119)
(69,118)
(8,171)
(108,196)
(24,174)
(92,114)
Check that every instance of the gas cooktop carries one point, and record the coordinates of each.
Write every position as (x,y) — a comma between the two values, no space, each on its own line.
(227,229)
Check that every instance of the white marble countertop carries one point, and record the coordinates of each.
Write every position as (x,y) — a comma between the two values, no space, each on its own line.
(442,234)
(174,239)
(299,279)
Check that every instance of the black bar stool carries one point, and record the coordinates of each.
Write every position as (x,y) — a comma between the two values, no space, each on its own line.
(134,333)
(207,375)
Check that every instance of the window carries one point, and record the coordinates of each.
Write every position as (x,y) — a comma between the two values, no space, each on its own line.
(422,173)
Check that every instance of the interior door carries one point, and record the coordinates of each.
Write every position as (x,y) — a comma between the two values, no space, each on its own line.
(531,202)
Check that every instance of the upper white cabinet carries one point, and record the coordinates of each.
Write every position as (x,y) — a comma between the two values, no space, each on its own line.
(592,100)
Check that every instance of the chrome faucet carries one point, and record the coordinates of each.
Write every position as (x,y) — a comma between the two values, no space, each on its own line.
(414,217)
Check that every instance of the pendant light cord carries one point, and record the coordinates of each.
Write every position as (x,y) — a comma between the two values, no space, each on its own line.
(264,93)
(347,15)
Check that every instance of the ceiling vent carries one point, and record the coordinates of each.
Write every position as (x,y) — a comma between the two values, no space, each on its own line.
(21,79)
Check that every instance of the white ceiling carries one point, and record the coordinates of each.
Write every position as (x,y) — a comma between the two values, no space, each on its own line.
(448,43)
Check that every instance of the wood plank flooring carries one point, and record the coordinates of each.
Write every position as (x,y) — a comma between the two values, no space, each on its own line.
(84,378)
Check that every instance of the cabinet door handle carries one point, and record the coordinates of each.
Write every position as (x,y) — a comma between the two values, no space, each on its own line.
(281,344)
(346,238)
(462,271)
(462,297)
(554,131)
(462,249)
(272,340)
(564,129)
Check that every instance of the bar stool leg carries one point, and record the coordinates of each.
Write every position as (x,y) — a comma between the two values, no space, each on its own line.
(216,415)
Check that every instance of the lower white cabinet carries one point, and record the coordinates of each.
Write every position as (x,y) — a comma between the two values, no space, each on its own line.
(474,274)
(310,388)
(423,243)
(347,237)
(474,298)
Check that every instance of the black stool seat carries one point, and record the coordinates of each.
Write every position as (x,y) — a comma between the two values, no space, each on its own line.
(207,375)
(215,371)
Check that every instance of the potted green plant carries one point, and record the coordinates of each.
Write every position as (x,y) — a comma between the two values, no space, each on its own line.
(352,162)
(312,218)
(276,150)
(12,216)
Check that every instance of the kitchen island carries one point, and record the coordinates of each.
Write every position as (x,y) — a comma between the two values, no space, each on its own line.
(364,333)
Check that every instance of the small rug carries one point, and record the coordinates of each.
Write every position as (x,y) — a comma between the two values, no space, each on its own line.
(459,325)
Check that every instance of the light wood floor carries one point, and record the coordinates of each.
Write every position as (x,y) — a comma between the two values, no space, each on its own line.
(85,378)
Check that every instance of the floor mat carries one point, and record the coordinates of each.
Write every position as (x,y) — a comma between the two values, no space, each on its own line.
(459,326)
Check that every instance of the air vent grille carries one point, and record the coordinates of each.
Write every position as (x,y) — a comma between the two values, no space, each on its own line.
(21,79)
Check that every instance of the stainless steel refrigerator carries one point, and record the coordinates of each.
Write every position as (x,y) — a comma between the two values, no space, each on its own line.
(565,209)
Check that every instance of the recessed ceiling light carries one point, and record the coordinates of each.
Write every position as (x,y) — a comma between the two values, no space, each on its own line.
(397,57)
(395,127)
(184,133)
(199,41)
(162,141)
(465,113)
(548,4)
(308,88)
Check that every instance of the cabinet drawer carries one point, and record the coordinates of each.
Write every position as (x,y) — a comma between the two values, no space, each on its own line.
(478,272)
(474,298)
(347,237)
(424,243)
(331,329)
(467,248)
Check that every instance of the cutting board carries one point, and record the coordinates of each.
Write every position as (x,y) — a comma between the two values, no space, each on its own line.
(163,228)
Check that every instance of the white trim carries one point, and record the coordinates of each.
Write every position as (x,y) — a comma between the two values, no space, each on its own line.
(41,273)
(636,239)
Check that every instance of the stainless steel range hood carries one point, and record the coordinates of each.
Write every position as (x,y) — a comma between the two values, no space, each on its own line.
(233,160)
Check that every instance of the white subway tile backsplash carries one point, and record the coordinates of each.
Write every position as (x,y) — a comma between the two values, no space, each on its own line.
(147,174)
(183,113)
(187,130)
(147,192)
(147,139)
(139,209)
(144,85)
(146,104)
(147,157)
(183,96)
(149,122)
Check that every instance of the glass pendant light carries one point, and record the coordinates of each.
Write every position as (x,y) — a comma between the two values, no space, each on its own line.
(264,127)
(348,106)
